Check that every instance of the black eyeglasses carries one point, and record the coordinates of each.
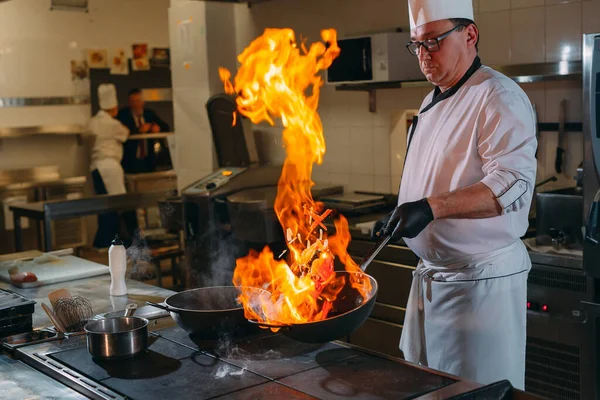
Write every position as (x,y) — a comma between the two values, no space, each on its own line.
(430,44)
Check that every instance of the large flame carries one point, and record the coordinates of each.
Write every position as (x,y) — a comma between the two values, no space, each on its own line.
(279,79)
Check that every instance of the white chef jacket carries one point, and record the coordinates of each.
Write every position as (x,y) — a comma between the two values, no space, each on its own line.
(466,313)
(109,134)
(485,132)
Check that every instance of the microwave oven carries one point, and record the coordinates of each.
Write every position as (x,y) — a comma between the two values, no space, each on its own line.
(380,57)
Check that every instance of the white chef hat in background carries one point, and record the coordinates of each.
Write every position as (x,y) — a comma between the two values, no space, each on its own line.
(107,96)
(421,12)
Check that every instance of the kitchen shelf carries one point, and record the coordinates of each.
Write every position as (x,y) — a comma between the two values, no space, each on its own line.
(45,130)
(523,73)
(13,102)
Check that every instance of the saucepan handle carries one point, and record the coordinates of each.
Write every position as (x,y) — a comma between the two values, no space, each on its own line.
(162,306)
(265,325)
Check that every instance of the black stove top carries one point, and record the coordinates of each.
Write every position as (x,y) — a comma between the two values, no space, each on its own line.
(265,365)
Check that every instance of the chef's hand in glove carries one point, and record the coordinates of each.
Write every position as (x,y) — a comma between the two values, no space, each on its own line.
(377,230)
(409,219)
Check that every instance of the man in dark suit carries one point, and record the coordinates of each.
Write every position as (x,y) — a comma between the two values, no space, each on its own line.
(138,155)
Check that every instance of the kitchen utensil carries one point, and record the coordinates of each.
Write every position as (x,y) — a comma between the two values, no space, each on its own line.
(54,296)
(562,139)
(73,312)
(130,309)
(350,310)
(551,179)
(370,256)
(119,337)
(208,312)
(54,319)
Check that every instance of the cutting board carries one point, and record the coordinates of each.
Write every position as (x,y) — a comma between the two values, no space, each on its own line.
(66,268)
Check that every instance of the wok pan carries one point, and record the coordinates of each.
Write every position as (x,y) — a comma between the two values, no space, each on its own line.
(350,309)
(349,312)
(208,312)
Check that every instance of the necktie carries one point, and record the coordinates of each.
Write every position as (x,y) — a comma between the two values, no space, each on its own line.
(143,145)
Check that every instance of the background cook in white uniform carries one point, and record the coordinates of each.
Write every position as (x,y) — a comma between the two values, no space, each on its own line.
(107,172)
(109,136)
(463,205)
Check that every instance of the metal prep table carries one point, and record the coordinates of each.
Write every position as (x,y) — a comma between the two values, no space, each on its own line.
(95,289)
(49,211)
(20,186)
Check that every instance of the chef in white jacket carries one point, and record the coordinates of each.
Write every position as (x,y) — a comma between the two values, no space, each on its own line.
(107,174)
(463,204)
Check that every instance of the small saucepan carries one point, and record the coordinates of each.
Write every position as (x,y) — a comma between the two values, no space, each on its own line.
(118,337)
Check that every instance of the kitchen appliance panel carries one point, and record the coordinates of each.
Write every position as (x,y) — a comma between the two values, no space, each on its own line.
(591,128)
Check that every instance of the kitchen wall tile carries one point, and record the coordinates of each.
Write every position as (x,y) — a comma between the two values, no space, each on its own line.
(381,151)
(475,6)
(537,95)
(358,114)
(359,182)
(573,155)
(382,184)
(361,151)
(591,16)
(410,98)
(493,5)
(526,3)
(396,183)
(319,175)
(494,45)
(340,179)
(528,36)
(563,32)
(337,157)
(556,92)
(549,141)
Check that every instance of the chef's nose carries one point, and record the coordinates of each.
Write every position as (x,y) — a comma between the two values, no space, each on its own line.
(423,54)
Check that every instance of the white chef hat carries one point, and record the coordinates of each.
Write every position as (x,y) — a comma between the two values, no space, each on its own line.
(107,96)
(424,11)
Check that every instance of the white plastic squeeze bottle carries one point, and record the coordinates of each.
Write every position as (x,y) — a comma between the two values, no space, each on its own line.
(117,264)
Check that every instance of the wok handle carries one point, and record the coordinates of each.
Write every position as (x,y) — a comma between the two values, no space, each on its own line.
(265,325)
(370,256)
(161,306)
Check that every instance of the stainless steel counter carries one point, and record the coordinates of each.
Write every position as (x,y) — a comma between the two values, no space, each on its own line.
(556,260)
(19,381)
(96,291)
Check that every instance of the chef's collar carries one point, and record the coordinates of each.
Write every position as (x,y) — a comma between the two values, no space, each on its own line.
(438,95)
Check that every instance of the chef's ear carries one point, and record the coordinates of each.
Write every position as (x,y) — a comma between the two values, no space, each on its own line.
(472,36)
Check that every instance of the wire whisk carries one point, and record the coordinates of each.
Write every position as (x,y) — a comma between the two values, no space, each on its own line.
(74,312)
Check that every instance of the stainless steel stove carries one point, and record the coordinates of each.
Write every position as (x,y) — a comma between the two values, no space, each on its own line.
(264,365)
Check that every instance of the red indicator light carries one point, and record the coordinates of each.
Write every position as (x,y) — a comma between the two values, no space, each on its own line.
(545,307)
(528,304)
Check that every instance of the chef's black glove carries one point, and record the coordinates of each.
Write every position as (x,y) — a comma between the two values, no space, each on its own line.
(377,231)
(409,219)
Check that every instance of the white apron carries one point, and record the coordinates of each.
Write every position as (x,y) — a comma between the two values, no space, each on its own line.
(112,175)
(485,341)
